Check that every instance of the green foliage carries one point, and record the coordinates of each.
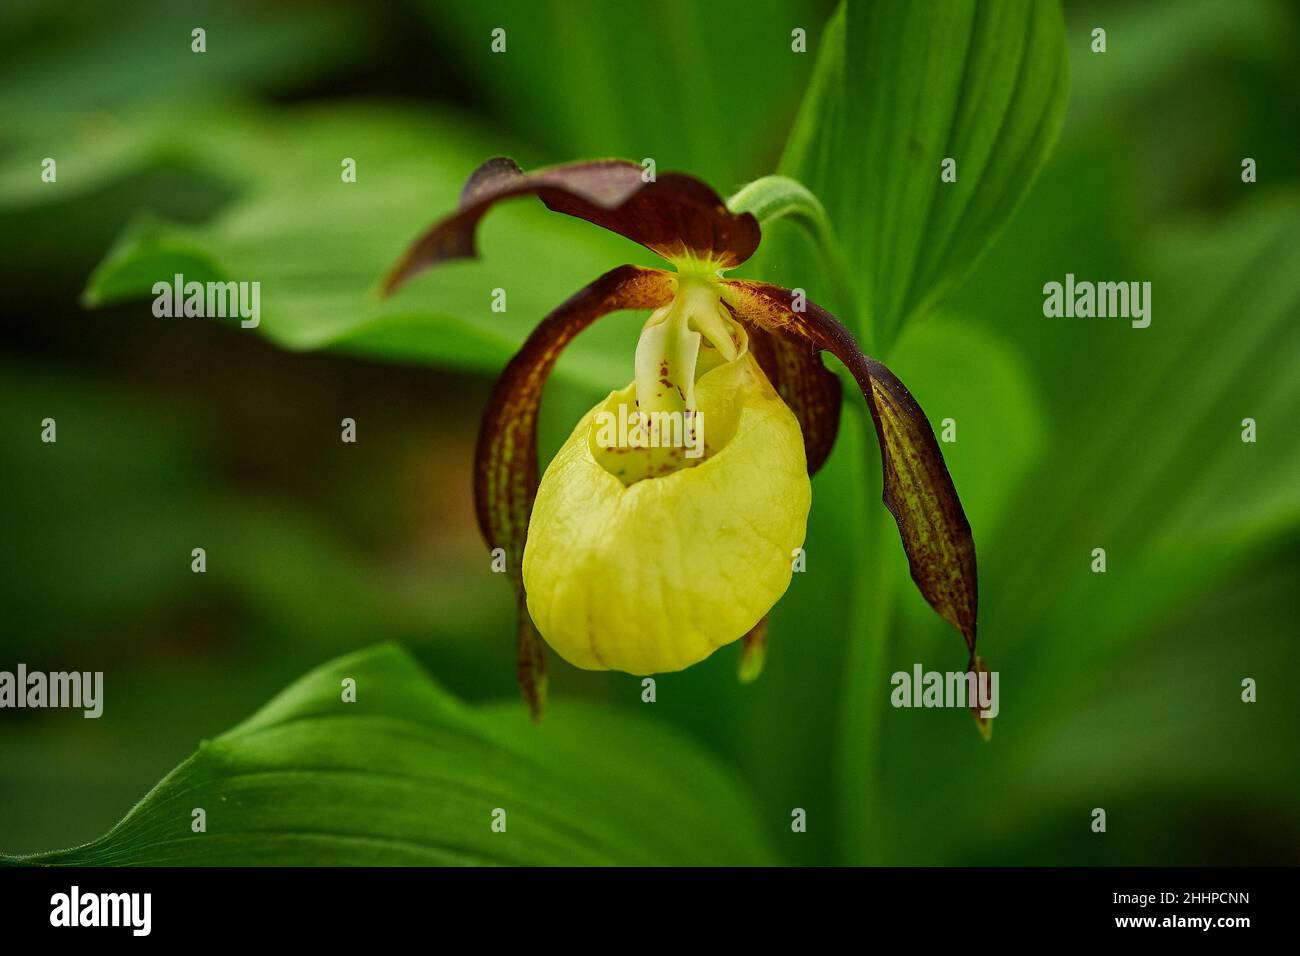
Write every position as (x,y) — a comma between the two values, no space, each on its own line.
(319,245)
(899,89)
(407,775)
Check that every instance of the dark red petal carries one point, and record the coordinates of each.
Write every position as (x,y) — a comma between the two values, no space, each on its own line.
(812,391)
(676,216)
(918,489)
(505,462)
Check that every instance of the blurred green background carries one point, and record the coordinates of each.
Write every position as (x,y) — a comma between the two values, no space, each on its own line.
(1119,691)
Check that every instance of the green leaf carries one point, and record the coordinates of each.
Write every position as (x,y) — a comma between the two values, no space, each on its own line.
(320,246)
(899,88)
(407,774)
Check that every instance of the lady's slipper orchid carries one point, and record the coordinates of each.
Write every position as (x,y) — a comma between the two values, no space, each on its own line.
(636,555)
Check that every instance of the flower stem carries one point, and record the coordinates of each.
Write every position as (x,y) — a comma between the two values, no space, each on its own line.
(861,806)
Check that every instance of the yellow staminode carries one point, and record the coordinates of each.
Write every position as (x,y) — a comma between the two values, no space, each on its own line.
(644,563)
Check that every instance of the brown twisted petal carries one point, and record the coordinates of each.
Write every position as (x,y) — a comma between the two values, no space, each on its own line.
(813,392)
(505,461)
(918,489)
(676,216)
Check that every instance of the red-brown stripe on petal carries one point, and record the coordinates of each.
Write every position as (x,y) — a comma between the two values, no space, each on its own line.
(505,461)
(676,216)
(813,392)
(918,489)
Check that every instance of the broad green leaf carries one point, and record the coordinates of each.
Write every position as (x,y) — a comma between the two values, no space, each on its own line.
(901,87)
(320,246)
(406,774)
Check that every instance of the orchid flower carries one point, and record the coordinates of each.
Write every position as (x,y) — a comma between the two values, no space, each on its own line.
(638,557)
